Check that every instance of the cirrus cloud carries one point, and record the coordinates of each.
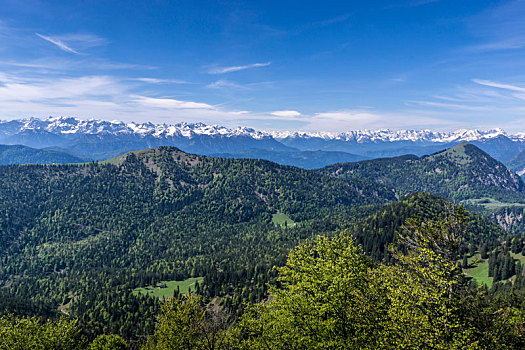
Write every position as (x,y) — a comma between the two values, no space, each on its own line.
(286,113)
(223,70)
(170,103)
(59,43)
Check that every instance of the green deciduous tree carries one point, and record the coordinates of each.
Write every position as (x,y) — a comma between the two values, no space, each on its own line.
(186,324)
(324,302)
(108,342)
(30,333)
(331,297)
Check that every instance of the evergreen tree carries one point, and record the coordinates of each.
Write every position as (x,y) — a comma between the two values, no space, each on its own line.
(484,251)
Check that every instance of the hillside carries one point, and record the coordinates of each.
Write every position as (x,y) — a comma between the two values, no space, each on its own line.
(83,237)
(459,173)
(379,229)
(301,159)
(517,164)
(18,154)
(96,240)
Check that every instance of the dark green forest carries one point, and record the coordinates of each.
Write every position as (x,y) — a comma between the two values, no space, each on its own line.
(77,240)
(459,173)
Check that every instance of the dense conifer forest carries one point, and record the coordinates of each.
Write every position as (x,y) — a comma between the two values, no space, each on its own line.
(78,241)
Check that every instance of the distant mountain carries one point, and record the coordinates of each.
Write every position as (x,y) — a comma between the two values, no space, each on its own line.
(461,172)
(18,154)
(98,140)
(387,143)
(301,159)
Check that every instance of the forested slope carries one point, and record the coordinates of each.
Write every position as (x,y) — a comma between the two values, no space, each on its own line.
(18,154)
(462,172)
(83,236)
(375,232)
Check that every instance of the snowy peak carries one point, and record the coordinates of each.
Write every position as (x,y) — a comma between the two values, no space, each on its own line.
(70,125)
(386,135)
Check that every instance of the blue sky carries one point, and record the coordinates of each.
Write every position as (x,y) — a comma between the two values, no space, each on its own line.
(299,65)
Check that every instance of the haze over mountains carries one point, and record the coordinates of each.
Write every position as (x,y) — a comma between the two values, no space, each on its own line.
(97,140)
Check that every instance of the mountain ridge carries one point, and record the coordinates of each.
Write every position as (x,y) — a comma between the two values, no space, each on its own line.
(72,125)
(96,139)
(461,172)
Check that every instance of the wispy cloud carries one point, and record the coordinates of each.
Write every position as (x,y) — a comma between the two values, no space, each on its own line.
(82,41)
(161,81)
(169,103)
(224,84)
(60,44)
(503,44)
(103,96)
(499,28)
(23,90)
(448,105)
(499,85)
(286,113)
(330,21)
(223,70)
(344,120)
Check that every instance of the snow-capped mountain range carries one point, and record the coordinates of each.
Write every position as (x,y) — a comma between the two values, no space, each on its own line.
(70,125)
(96,139)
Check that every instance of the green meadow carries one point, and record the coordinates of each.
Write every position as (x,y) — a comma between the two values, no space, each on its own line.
(169,287)
(283,220)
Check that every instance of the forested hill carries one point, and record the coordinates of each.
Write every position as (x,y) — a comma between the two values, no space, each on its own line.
(17,154)
(517,163)
(461,172)
(377,230)
(82,237)
(262,185)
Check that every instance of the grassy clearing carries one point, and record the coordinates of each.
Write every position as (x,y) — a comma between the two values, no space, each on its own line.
(169,287)
(283,220)
(490,203)
(480,272)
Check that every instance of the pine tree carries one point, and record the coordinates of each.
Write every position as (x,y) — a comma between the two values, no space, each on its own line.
(465,261)
(491,265)
(484,251)
(497,273)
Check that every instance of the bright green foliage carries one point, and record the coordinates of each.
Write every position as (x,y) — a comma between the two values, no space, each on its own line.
(108,342)
(186,324)
(330,297)
(420,295)
(179,325)
(283,220)
(379,229)
(421,290)
(324,302)
(442,236)
(30,333)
